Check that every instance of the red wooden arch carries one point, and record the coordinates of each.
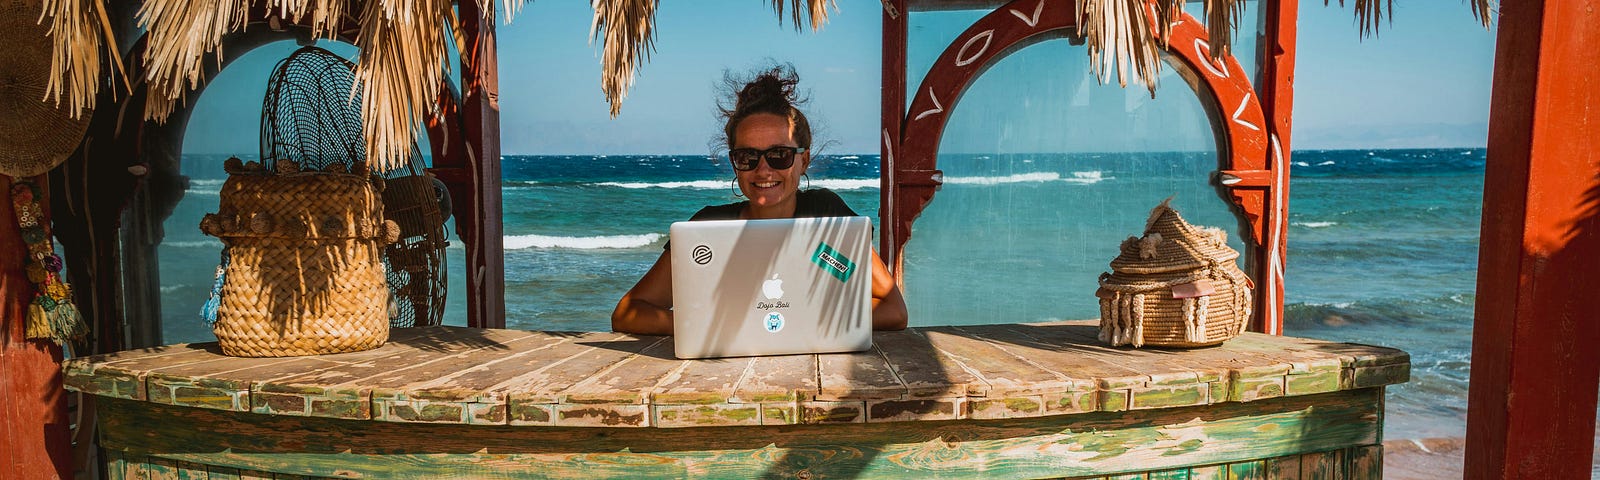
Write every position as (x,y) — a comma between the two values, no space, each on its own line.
(1253,171)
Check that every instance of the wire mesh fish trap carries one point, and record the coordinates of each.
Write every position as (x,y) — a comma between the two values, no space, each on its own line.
(311,118)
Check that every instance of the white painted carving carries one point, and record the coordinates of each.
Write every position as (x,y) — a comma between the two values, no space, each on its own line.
(1031,21)
(962,59)
(1240,111)
(1277,210)
(1203,50)
(937,108)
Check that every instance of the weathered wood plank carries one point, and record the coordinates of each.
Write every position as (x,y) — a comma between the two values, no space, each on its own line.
(1208,472)
(857,376)
(628,381)
(1328,465)
(925,372)
(1081,444)
(344,390)
(1365,462)
(566,365)
(1283,468)
(1106,371)
(699,395)
(434,392)
(1251,470)
(779,384)
(1006,386)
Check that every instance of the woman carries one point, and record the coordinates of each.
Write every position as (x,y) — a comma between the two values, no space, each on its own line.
(769,143)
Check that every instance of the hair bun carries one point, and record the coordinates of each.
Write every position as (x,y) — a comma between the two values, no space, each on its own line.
(769,91)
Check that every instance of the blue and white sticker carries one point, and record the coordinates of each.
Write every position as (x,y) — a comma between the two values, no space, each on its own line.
(773,322)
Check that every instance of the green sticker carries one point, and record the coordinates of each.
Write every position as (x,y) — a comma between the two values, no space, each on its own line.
(833,262)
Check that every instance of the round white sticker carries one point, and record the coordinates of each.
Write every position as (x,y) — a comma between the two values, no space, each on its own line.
(773,322)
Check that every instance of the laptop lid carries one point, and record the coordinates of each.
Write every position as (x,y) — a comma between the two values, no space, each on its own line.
(771,287)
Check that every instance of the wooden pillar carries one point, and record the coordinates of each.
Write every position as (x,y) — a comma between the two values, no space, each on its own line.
(33,409)
(474,178)
(894,112)
(1277,102)
(1535,360)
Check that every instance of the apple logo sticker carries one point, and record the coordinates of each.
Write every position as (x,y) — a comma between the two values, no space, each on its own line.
(773,288)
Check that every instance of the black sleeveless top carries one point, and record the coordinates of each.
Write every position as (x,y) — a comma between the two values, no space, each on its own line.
(819,202)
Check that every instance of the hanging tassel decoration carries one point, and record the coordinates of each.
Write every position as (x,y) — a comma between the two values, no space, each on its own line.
(208,312)
(51,314)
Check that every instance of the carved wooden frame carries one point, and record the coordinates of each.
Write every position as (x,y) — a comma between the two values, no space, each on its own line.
(1252,170)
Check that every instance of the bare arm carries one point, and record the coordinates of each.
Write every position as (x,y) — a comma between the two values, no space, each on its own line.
(888,306)
(647,307)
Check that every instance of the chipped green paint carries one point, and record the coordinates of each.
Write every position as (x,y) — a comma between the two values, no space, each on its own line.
(1381,375)
(1313,382)
(707,415)
(1252,470)
(521,413)
(1022,404)
(345,409)
(1069,445)
(1113,400)
(430,412)
(780,414)
(1174,396)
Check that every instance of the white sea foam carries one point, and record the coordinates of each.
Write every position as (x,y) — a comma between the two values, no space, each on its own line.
(1314,224)
(172,288)
(519,242)
(846,183)
(1083,178)
(1329,162)
(700,184)
(194,244)
(1301,164)
(1035,177)
(849,157)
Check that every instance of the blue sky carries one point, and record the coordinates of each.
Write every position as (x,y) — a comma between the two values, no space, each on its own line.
(1422,82)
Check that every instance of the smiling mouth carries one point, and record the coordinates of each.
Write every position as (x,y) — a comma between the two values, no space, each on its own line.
(764,184)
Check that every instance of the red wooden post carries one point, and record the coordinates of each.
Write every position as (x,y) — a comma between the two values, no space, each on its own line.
(1535,363)
(1277,102)
(893,111)
(33,408)
(477,174)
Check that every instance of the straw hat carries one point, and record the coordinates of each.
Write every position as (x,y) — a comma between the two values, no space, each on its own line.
(1171,244)
(35,135)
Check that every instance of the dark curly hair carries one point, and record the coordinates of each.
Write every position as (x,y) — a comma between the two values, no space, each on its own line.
(771,91)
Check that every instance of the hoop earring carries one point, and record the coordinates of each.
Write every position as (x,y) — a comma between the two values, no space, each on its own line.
(735,185)
(807,178)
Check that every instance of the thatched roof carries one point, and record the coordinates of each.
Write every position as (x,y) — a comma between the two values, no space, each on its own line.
(403,46)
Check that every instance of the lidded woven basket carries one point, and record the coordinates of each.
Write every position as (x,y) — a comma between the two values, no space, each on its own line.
(304,273)
(1176,286)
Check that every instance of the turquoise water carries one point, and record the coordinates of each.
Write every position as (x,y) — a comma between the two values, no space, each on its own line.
(1382,244)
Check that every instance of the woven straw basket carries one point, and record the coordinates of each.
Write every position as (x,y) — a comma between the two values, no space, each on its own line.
(1177,286)
(305,273)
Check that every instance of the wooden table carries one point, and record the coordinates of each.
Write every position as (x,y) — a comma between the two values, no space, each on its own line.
(1000,401)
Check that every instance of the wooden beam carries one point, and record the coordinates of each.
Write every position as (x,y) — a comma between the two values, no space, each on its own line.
(893,114)
(486,304)
(1277,103)
(1531,400)
(34,439)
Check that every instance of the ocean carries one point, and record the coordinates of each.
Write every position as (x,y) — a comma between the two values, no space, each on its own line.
(1382,244)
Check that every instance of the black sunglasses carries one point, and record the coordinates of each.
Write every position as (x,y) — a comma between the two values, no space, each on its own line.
(779,158)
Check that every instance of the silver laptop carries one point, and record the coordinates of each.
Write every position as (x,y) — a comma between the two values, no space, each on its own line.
(771,287)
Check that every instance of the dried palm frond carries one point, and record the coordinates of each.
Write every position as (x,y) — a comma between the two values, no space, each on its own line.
(624,28)
(1370,13)
(401,64)
(181,34)
(80,31)
(326,15)
(816,10)
(1119,35)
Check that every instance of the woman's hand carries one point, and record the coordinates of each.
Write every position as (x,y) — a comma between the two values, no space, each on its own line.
(888,306)
(647,307)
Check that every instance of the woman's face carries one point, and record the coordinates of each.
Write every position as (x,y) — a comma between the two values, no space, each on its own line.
(770,190)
